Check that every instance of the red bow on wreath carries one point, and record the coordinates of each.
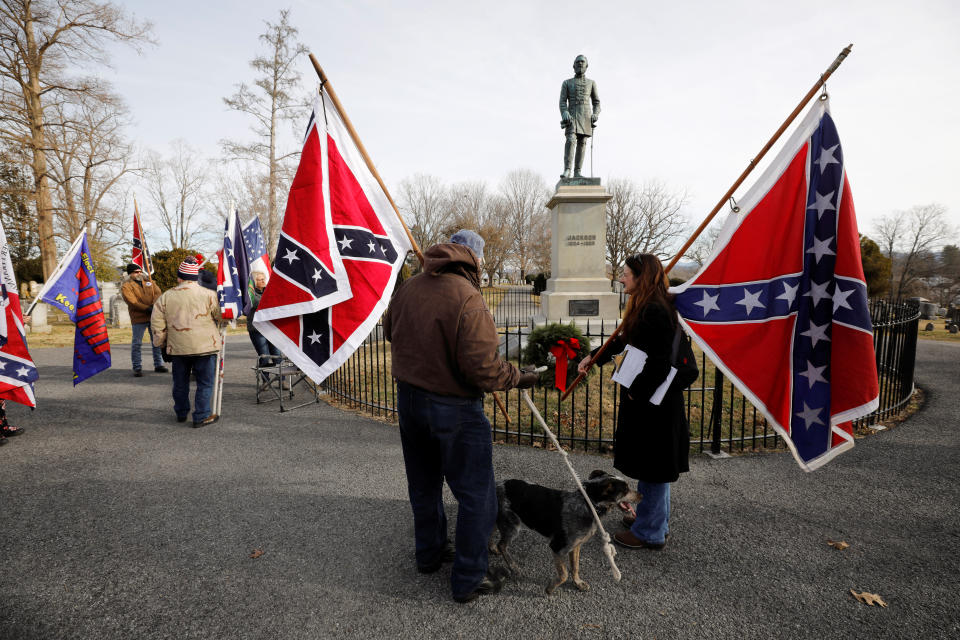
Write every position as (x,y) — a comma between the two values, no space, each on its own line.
(564,349)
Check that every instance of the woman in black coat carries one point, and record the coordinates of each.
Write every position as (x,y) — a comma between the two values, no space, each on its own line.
(652,440)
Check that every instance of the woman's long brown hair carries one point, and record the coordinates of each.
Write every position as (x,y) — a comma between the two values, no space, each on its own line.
(652,285)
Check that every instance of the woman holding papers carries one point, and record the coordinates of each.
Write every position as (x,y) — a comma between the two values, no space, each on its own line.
(653,438)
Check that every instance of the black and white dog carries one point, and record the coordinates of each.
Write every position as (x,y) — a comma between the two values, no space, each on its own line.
(562,516)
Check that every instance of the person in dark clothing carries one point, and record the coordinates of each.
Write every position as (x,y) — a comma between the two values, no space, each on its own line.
(444,344)
(652,440)
(263,346)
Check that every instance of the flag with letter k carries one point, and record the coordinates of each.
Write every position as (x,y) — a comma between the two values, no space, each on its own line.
(73,289)
(781,305)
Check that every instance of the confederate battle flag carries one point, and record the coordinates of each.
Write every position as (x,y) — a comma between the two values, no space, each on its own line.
(781,305)
(17,371)
(340,248)
(140,255)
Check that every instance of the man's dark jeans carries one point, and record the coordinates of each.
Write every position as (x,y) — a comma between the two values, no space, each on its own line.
(449,437)
(204,367)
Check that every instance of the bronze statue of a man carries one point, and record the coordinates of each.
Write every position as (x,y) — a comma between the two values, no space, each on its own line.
(579,108)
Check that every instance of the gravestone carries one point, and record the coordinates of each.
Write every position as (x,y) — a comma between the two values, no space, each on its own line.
(954,328)
(119,313)
(38,321)
(929,327)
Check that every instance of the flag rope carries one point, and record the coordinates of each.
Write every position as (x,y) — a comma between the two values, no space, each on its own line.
(821,81)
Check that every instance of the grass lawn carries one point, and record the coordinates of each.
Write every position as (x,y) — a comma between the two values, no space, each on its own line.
(939,333)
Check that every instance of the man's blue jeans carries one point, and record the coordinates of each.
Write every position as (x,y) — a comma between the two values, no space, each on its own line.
(653,512)
(135,345)
(446,437)
(204,366)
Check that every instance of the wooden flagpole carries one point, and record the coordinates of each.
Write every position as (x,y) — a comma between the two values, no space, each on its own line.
(726,197)
(325,84)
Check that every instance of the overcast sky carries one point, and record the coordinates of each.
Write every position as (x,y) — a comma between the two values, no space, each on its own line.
(689,92)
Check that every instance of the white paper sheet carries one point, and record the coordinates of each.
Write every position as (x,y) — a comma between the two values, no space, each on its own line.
(633,363)
(630,368)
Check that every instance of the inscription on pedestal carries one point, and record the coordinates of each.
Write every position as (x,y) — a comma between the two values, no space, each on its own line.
(581,240)
(583,307)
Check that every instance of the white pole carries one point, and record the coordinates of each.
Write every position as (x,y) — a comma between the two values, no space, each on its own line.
(57,273)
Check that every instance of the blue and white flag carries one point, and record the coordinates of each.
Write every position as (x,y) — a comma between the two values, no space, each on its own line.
(256,247)
(233,272)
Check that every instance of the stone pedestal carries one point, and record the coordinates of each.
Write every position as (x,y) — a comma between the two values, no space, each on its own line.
(579,290)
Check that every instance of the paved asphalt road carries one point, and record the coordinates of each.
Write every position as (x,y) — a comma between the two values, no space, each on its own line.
(117,522)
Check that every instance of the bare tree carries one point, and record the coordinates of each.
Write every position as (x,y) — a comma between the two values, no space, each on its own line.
(425,205)
(643,218)
(89,158)
(524,193)
(467,205)
(910,238)
(176,187)
(39,41)
(270,101)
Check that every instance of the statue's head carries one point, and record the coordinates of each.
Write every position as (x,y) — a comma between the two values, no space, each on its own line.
(580,64)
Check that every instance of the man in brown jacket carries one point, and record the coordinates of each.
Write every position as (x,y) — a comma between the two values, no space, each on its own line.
(139,292)
(444,356)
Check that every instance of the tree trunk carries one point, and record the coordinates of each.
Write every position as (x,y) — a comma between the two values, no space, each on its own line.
(48,245)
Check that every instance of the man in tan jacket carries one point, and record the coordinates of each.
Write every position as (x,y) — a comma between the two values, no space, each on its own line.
(139,292)
(185,323)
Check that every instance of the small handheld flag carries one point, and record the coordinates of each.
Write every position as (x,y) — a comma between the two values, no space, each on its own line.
(141,255)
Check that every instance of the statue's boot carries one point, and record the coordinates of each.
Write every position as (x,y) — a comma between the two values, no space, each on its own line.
(578,163)
(568,155)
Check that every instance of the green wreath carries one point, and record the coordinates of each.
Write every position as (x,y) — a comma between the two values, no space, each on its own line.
(543,342)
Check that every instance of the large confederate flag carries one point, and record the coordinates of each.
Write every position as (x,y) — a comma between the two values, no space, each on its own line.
(781,305)
(340,248)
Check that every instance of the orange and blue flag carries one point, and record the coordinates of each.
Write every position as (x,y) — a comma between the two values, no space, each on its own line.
(73,289)
(781,306)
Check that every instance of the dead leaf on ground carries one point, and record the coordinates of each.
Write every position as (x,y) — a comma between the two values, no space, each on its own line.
(868,598)
(839,545)
(256,553)
(537,445)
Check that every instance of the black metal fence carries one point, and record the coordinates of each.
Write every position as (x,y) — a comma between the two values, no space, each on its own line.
(720,416)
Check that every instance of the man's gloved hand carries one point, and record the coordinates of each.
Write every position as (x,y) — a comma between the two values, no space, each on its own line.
(527,379)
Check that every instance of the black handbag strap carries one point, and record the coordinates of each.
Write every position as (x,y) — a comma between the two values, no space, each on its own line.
(676,346)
